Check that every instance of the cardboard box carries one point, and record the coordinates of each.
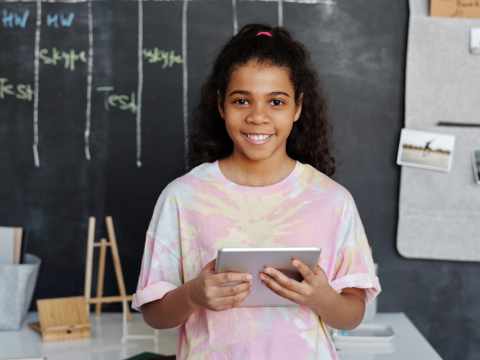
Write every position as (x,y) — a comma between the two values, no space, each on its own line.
(455,8)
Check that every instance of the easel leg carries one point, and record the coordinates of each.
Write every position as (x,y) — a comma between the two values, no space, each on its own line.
(101,275)
(116,262)
(89,262)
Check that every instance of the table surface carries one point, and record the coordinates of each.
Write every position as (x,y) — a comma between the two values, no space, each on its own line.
(106,342)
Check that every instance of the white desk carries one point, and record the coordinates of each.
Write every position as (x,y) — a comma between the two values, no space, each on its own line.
(106,344)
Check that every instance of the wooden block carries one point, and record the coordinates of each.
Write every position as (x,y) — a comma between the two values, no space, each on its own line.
(63,319)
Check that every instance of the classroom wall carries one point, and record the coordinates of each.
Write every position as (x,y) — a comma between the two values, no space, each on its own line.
(102,133)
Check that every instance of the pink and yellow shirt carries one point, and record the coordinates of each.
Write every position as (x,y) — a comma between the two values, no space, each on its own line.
(203,211)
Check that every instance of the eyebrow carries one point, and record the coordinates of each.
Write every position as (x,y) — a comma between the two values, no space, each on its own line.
(244,92)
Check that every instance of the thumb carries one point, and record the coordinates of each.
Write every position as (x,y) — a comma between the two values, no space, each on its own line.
(318,269)
(210,267)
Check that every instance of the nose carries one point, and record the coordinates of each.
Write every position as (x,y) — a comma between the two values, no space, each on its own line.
(257,115)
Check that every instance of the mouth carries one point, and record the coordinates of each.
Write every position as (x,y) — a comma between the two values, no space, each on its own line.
(257,139)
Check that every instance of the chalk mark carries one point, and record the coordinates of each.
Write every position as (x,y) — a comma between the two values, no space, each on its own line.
(235,17)
(140,83)
(280,12)
(36,94)
(88,111)
(185,79)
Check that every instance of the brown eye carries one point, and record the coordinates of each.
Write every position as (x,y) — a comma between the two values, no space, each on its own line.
(277,102)
(240,101)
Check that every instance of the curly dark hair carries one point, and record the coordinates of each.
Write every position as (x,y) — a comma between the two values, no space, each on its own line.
(309,140)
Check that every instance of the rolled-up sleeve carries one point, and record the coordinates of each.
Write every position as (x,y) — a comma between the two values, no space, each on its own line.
(354,265)
(161,262)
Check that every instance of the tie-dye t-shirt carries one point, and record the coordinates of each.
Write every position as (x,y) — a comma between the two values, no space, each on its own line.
(203,211)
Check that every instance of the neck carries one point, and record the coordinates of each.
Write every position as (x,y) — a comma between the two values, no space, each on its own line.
(256,173)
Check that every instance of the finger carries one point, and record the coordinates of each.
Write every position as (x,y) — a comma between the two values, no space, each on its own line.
(280,290)
(229,291)
(229,302)
(231,277)
(282,279)
(305,270)
(289,283)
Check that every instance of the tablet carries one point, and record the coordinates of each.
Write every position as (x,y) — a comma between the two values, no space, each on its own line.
(253,261)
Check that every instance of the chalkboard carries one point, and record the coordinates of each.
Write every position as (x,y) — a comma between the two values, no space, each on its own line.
(95,102)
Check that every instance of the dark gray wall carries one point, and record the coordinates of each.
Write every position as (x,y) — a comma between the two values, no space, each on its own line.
(359,48)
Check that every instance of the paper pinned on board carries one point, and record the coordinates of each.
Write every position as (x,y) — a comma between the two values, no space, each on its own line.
(455,8)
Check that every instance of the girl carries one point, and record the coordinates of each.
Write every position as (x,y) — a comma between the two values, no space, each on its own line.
(261,179)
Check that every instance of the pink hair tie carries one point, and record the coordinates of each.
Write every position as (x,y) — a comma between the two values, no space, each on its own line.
(266,33)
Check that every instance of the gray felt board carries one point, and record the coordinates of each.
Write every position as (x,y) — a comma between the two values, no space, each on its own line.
(439,213)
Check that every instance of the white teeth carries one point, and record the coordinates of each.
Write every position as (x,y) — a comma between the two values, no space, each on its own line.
(258,137)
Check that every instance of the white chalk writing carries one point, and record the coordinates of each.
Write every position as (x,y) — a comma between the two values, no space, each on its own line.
(68,58)
(119,101)
(167,58)
(20,91)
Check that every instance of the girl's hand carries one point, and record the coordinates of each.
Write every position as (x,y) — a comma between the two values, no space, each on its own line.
(309,292)
(218,291)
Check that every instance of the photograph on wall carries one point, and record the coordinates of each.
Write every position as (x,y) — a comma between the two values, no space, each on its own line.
(426,150)
(476,165)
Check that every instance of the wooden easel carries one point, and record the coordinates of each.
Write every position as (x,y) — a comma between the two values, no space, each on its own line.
(103,244)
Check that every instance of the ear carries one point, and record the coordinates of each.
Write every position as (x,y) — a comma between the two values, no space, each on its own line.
(298,111)
(220,106)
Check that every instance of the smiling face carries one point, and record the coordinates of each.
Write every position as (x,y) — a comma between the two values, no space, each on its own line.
(259,110)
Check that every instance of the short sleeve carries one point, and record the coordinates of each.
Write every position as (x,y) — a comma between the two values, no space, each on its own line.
(354,266)
(161,263)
